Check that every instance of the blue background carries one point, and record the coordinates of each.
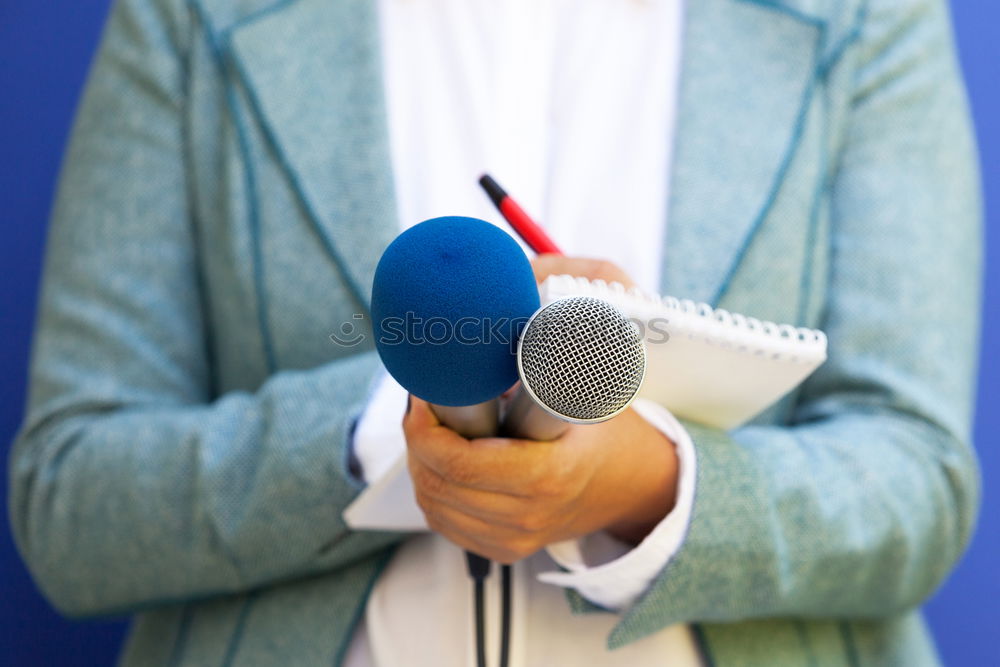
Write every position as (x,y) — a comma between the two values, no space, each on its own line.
(45,48)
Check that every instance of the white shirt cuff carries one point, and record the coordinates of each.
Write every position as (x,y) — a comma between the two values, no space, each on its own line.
(609,572)
(388,502)
(378,438)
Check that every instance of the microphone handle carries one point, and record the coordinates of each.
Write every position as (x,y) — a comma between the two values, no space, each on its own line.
(473,421)
(470,421)
(526,419)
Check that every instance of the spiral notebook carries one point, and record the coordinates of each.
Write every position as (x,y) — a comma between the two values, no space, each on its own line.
(708,365)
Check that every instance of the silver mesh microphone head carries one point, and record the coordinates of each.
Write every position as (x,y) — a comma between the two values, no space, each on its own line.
(581,359)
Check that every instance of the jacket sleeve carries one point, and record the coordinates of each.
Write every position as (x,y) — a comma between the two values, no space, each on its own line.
(131,484)
(861,505)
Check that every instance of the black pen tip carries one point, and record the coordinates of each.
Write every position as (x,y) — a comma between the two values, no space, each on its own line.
(493,189)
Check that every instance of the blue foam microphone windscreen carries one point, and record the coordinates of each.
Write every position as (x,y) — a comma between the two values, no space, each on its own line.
(449,300)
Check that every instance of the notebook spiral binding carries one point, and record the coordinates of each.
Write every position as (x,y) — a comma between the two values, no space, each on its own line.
(717,326)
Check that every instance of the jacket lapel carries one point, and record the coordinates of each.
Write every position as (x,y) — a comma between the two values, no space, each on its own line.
(312,71)
(749,68)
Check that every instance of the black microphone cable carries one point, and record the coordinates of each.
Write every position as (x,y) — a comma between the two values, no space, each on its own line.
(479,570)
(505,615)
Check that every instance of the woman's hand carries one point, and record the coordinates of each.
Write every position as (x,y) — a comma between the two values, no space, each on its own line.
(592,269)
(505,498)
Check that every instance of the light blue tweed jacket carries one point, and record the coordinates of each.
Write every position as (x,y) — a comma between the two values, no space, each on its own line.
(225,199)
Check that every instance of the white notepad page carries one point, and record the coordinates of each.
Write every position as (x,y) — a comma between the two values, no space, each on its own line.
(708,365)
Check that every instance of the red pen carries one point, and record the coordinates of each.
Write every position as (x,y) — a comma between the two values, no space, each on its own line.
(526,228)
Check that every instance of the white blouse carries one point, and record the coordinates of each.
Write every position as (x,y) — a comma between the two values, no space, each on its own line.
(570,105)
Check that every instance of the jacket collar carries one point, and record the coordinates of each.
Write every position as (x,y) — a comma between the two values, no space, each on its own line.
(313,72)
(747,80)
